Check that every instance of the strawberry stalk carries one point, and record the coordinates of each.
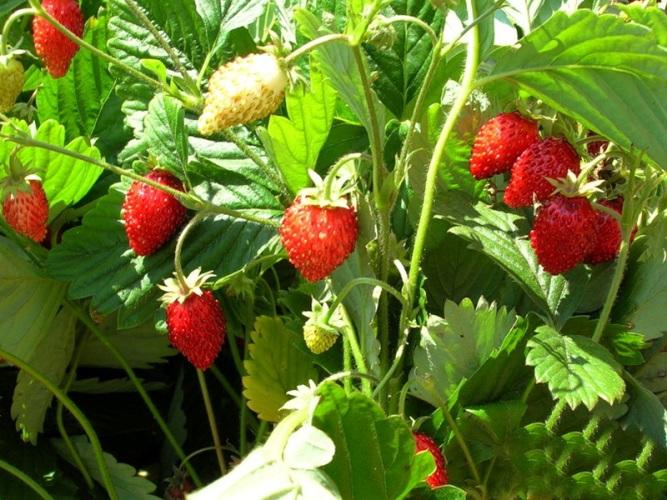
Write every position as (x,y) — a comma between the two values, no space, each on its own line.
(101,336)
(76,413)
(211,421)
(59,415)
(313,44)
(8,26)
(25,479)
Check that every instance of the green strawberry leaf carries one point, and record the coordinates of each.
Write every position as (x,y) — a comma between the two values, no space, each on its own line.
(401,68)
(652,17)
(164,133)
(374,453)
(641,302)
(275,366)
(496,234)
(65,180)
(453,349)
(123,476)
(96,259)
(576,369)
(51,358)
(78,99)
(294,143)
(29,302)
(647,413)
(608,74)
(338,64)
(222,16)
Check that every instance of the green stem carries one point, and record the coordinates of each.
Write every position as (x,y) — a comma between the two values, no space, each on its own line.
(645,454)
(178,266)
(359,360)
(555,415)
(472,62)
(347,364)
(59,416)
(101,336)
(8,24)
(401,166)
(331,175)
(226,385)
(27,480)
(313,44)
(102,55)
(528,390)
(340,297)
(136,10)
(464,447)
(75,411)
(382,205)
(211,421)
(499,4)
(185,198)
(414,20)
(628,219)
(264,167)
(263,426)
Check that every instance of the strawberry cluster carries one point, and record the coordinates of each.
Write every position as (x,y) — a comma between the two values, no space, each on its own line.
(567,230)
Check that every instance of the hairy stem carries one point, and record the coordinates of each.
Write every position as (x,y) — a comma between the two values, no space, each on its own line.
(417,22)
(461,441)
(101,336)
(59,415)
(313,44)
(75,411)
(8,25)
(211,421)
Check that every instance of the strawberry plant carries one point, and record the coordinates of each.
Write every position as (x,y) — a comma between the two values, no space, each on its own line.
(357,249)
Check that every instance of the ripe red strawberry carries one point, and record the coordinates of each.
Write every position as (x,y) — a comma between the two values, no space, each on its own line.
(12,79)
(194,319)
(26,210)
(439,477)
(499,143)
(607,237)
(54,48)
(551,158)
(318,238)
(562,233)
(152,216)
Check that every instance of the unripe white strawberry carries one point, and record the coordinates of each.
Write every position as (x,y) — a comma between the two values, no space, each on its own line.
(318,339)
(243,90)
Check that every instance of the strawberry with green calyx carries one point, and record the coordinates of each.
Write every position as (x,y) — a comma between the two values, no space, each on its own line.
(244,90)
(151,216)
(319,230)
(321,330)
(195,320)
(563,232)
(439,476)
(12,78)
(24,206)
(551,158)
(499,142)
(53,47)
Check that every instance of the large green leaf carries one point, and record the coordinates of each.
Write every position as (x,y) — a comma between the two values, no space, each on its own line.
(338,64)
(495,233)
(294,143)
(608,74)
(65,179)
(96,259)
(401,68)
(452,349)
(275,366)
(643,296)
(51,358)
(130,41)
(77,99)
(29,302)
(165,135)
(123,476)
(653,17)
(222,16)
(374,453)
(647,413)
(576,369)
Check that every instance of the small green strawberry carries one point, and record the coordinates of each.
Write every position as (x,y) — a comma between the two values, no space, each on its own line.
(12,79)
(318,339)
